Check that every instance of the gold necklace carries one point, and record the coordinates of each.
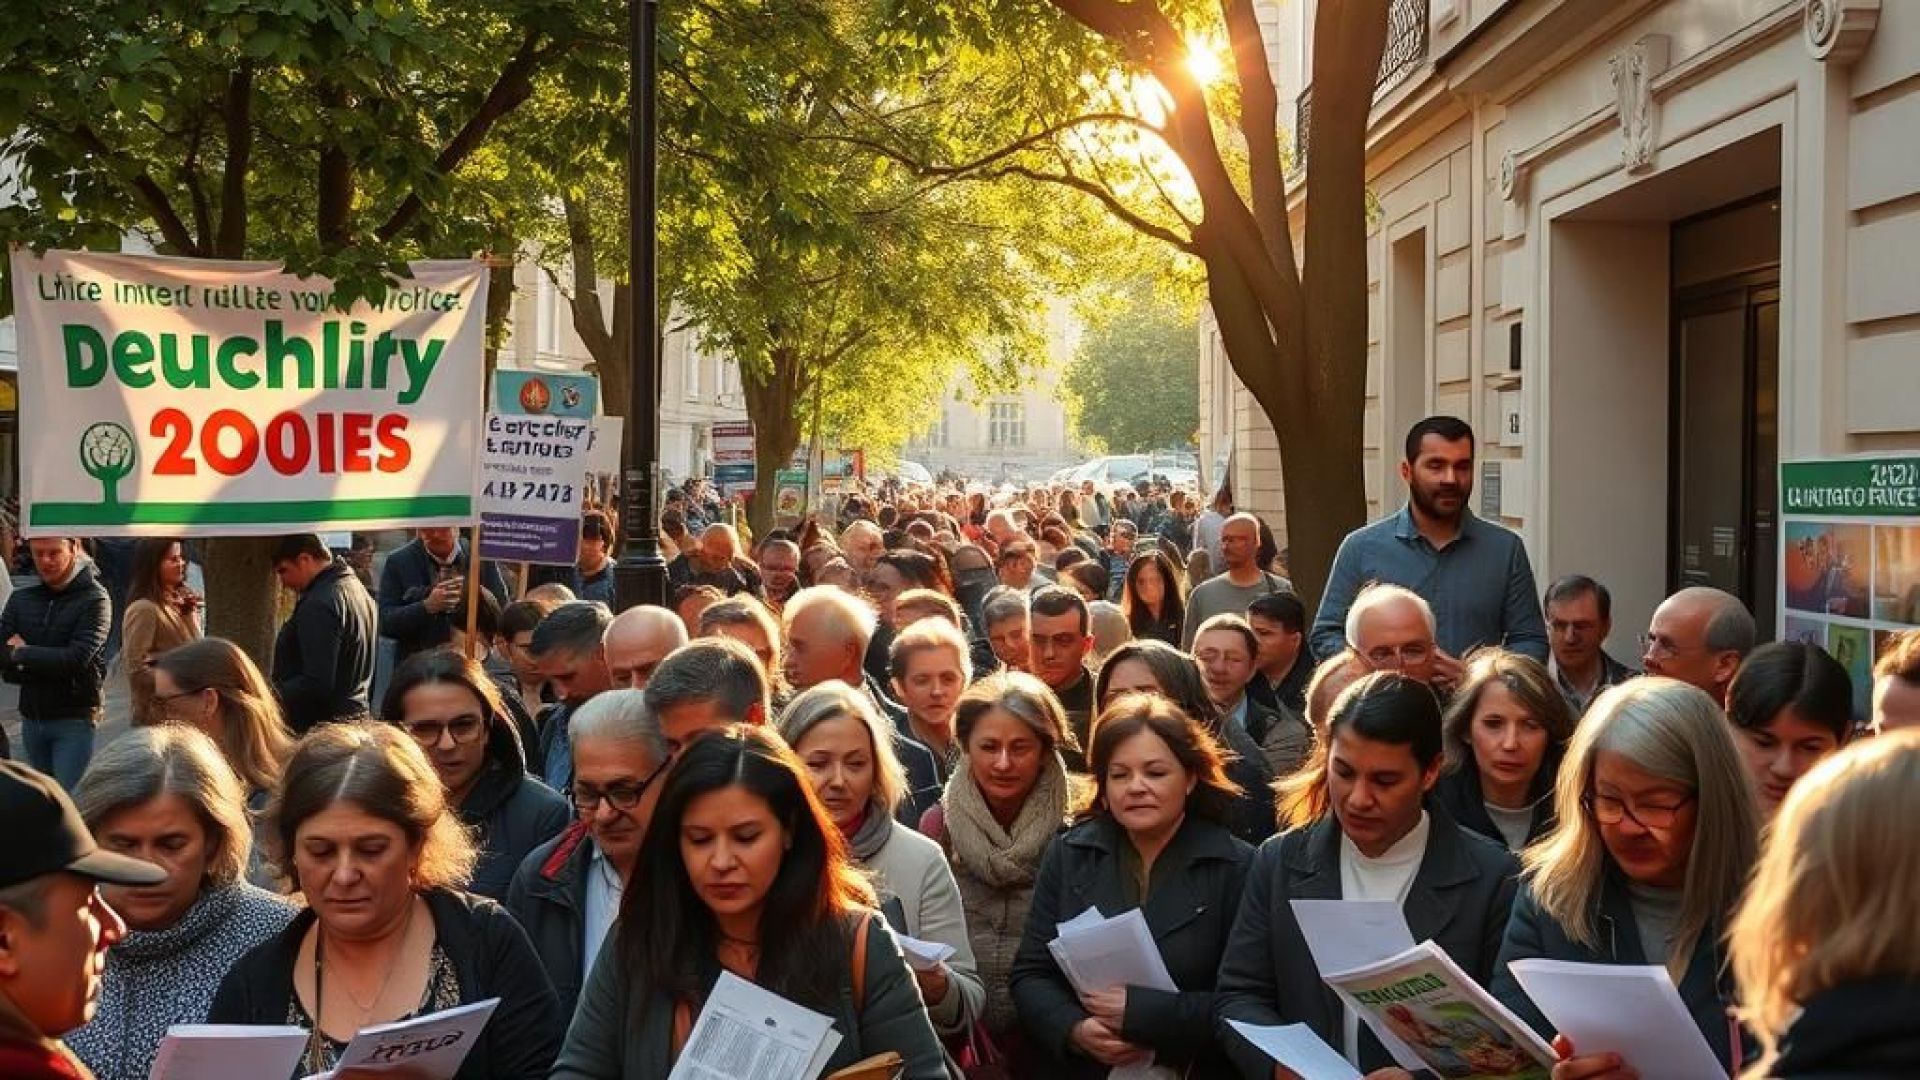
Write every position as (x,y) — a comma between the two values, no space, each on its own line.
(393,964)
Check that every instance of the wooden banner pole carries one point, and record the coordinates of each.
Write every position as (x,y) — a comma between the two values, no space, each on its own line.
(473,590)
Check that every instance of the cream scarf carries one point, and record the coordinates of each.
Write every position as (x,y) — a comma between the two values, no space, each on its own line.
(988,852)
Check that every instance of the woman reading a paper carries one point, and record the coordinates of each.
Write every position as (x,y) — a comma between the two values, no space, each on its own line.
(1360,829)
(1826,948)
(363,825)
(848,752)
(1658,831)
(742,878)
(1155,840)
(167,796)
(1001,808)
(1506,730)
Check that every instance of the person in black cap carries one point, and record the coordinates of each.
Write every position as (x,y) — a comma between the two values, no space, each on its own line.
(54,928)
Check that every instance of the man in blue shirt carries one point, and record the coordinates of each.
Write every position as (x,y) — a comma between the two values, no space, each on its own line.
(1473,573)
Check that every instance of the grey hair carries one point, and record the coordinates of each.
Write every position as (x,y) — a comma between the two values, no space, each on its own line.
(1678,733)
(552,594)
(172,759)
(709,669)
(851,617)
(832,700)
(1110,627)
(1380,594)
(619,716)
(1001,604)
(574,629)
(1730,626)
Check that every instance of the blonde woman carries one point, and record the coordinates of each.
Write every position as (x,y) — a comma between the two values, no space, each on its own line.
(1658,832)
(1826,949)
(211,685)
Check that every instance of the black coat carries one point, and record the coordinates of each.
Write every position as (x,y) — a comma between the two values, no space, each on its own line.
(923,774)
(1459,899)
(549,899)
(1707,990)
(491,958)
(1190,912)
(323,656)
(64,661)
(1459,791)
(509,812)
(408,576)
(1855,1031)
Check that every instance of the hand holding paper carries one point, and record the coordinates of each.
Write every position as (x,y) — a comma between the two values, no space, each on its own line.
(1632,1011)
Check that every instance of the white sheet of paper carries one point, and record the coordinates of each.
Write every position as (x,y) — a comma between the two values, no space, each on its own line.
(1089,917)
(1299,1049)
(1112,953)
(1345,935)
(1630,1010)
(747,1033)
(924,955)
(197,1051)
(434,1044)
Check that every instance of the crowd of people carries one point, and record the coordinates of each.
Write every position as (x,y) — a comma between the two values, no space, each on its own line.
(958,720)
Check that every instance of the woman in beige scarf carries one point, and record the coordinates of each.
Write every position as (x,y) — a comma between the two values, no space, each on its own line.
(1002,806)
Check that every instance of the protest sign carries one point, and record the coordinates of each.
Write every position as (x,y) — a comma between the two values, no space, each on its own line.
(187,397)
(533,466)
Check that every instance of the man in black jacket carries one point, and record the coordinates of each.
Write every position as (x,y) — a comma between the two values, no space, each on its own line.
(421,585)
(323,657)
(56,650)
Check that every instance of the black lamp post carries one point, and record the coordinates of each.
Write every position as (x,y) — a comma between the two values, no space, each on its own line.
(641,575)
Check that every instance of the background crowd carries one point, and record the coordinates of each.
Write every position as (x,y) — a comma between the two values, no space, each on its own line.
(958,718)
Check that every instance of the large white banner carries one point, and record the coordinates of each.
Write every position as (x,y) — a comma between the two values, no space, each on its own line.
(185,397)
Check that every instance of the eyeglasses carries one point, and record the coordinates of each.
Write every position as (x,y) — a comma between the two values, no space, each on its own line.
(621,796)
(464,731)
(1390,657)
(1609,810)
(1661,647)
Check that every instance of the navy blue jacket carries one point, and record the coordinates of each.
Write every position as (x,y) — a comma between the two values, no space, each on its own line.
(64,661)
(410,574)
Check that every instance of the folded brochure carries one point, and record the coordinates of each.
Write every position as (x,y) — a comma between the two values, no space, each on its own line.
(1431,1015)
(434,1045)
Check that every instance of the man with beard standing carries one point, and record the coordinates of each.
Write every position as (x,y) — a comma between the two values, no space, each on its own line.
(1473,573)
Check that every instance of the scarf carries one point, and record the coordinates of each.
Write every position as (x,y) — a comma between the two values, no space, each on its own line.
(871,834)
(987,851)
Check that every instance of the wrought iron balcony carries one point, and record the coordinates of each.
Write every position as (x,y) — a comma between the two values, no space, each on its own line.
(1406,50)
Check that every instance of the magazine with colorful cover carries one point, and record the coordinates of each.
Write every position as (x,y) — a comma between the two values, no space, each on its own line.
(1431,1015)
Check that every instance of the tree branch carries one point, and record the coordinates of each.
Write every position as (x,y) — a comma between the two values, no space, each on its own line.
(1107,198)
(236,111)
(334,207)
(190,178)
(513,87)
(172,228)
(1260,126)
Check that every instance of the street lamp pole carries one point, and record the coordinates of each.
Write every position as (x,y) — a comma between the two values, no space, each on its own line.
(641,575)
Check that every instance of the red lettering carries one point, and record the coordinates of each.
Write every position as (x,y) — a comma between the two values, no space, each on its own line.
(325,441)
(288,443)
(173,426)
(222,420)
(393,439)
(356,439)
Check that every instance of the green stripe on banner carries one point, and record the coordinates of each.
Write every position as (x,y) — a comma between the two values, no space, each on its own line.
(252,513)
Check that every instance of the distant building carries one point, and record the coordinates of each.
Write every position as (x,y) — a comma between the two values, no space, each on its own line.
(1020,437)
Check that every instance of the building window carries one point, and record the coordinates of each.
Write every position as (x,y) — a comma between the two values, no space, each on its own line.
(1007,424)
(934,437)
(694,360)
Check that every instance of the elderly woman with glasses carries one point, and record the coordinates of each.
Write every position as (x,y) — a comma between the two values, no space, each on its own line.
(450,707)
(167,796)
(1658,834)
(567,891)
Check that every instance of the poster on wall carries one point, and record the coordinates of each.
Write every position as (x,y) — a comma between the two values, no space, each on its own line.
(1850,560)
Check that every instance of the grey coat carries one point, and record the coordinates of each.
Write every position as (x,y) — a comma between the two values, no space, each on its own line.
(1459,899)
(620,1032)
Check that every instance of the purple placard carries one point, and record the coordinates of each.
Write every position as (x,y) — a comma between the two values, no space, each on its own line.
(517,538)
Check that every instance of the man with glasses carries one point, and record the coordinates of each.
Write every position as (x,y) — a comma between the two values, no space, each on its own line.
(1699,635)
(1241,582)
(567,892)
(1579,618)
(1392,629)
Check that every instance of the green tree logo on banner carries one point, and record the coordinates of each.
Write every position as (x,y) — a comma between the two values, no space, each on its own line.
(106,452)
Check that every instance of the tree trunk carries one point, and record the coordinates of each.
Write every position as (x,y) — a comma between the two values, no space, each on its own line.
(243,595)
(774,407)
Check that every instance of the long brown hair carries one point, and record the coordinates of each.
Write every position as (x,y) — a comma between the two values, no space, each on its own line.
(253,733)
(143,582)
(1130,714)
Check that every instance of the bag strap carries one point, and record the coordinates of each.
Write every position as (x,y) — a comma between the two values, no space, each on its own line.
(860,961)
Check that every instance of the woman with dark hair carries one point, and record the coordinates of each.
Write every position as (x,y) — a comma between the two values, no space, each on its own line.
(1151,598)
(1791,705)
(901,569)
(1156,839)
(1362,830)
(1158,668)
(162,613)
(743,871)
(363,826)
(1086,577)
(449,705)
(1506,730)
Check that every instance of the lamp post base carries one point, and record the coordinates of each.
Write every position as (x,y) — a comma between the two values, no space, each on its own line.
(640,577)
